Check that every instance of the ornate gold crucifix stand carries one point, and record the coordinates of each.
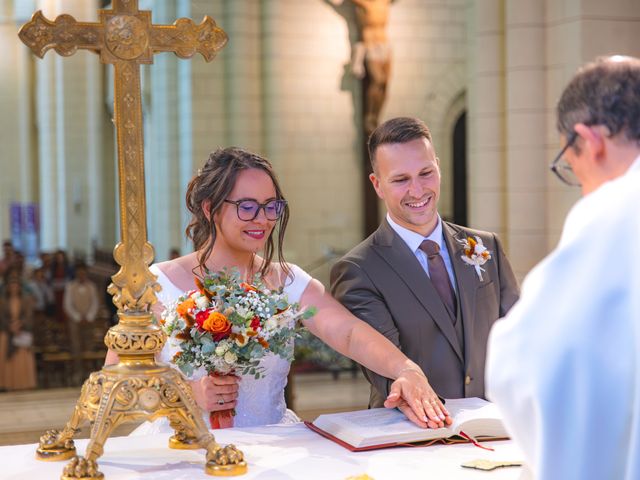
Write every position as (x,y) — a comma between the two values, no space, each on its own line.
(137,388)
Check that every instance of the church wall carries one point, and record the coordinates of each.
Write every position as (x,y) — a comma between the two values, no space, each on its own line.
(208,80)
(162,141)
(310,128)
(578,33)
(429,73)
(276,89)
(282,88)
(525,122)
(522,54)
(16,122)
(563,57)
(487,104)
(67,140)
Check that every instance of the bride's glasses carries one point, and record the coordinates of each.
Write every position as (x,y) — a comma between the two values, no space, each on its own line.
(248,210)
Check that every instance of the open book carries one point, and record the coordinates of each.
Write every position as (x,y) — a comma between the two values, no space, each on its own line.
(384,427)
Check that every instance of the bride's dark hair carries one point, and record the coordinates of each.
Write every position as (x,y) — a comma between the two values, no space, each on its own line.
(214,183)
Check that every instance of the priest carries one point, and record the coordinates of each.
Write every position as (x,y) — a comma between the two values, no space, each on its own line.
(564,365)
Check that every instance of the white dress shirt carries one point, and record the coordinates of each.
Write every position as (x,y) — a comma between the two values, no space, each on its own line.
(414,240)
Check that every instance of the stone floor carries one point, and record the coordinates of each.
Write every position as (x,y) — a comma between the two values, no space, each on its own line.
(24,416)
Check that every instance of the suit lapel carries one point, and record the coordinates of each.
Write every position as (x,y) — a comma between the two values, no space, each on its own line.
(467,282)
(393,250)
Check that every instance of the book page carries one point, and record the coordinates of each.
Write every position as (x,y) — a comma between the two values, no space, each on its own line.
(377,426)
(476,417)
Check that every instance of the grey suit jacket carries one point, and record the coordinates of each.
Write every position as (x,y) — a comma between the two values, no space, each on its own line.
(381,282)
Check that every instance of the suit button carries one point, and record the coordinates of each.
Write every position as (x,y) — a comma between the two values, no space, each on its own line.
(467,380)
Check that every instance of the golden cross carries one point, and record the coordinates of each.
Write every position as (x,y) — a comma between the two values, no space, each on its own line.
(137,387)
(126,38)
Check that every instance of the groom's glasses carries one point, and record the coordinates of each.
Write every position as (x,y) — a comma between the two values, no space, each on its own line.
(561,167)
(248,210)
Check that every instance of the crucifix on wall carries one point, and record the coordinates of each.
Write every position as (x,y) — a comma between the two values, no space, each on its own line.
(370,63)
(136,388)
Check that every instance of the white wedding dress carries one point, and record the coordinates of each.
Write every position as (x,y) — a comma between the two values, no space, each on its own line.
(260,402)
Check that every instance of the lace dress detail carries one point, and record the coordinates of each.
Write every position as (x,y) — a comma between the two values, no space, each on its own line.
(260,402)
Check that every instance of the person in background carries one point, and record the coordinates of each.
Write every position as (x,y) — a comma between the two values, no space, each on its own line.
(81,305)
(17,360)
(40,289)
(60,275)
(7,257)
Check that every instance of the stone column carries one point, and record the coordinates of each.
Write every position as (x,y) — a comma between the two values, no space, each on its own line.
(486,127)
(19,176)
(69,135)
(243,70)
(162,159)
(578,32)
(525,118)
(185,136)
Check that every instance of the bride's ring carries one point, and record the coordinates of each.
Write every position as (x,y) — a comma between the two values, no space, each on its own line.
(221,400)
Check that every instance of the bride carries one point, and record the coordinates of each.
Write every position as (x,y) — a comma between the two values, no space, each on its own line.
(236,205)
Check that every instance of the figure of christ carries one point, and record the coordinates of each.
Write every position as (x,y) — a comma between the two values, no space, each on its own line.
(371,55)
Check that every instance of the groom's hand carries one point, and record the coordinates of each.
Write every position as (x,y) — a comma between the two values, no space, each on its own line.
(413,396)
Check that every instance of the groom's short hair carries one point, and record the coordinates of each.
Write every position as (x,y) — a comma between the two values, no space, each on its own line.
(396,130)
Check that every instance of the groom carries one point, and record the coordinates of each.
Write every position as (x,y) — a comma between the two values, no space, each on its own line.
(429,286)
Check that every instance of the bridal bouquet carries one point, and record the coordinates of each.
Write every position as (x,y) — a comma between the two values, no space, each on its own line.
(226,326)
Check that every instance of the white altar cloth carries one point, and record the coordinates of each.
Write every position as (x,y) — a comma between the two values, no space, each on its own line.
(276,452)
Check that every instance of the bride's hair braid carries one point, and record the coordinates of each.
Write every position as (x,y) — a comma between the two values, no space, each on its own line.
(212,185)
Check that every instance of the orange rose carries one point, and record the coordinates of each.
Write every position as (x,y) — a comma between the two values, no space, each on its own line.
(184,307)
(218,325)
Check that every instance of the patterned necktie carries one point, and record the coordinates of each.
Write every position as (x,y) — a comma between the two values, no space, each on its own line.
(439,276)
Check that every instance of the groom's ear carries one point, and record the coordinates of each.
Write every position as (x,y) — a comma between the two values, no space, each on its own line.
(376,185)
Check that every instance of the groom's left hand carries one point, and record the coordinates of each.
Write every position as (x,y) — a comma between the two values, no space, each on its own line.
(412,395)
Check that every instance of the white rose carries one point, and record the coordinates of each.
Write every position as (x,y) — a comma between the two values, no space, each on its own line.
(202,302)
(221,349)
(271,324)
(230,357)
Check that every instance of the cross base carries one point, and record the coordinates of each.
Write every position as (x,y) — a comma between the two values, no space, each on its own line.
(135,389)
(54,454)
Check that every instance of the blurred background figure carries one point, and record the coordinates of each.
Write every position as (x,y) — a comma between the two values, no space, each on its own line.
(42,292)
(17,360)
(7,256)
(81,305)
(60,274)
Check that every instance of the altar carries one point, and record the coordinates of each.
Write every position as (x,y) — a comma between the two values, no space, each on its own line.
(273,452)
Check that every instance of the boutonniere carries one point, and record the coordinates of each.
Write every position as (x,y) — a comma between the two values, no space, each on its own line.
(475,254)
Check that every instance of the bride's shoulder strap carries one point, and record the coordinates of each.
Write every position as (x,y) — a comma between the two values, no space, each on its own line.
(169,290)
(296,282)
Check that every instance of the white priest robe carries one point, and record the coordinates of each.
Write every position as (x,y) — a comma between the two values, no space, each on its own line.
(564,365)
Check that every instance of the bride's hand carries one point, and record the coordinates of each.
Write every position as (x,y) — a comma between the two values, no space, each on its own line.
(413,396)
(214,393)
